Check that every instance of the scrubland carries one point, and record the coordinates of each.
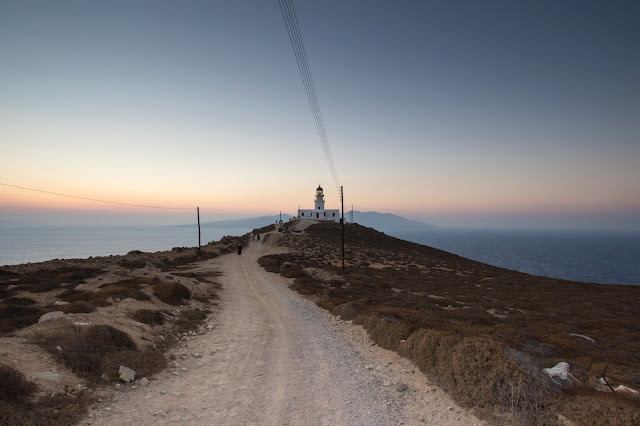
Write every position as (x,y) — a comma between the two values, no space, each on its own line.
(481,332)
(66,326)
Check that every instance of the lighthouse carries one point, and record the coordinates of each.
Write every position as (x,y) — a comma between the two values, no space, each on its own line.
(319,212)
(319,202)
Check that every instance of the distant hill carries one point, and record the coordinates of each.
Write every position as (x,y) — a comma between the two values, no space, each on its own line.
(384,222)
(389,223)
(246,223)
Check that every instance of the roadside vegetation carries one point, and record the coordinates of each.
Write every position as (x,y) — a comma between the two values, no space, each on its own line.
(106,312)
(483,333)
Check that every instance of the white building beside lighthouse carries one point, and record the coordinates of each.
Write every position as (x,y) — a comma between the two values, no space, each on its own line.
(319,212)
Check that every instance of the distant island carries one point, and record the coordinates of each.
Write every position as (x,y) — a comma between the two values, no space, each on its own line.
(384,222)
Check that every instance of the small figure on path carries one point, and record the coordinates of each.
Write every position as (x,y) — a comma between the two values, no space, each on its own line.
(258,237)
(239,249)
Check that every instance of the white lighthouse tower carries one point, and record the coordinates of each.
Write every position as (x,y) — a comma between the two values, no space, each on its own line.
(319,202)
(319,213)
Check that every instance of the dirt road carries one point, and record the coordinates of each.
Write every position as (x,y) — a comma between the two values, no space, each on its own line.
(275,358)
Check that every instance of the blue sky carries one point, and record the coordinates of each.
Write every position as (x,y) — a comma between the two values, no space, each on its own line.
(454,113)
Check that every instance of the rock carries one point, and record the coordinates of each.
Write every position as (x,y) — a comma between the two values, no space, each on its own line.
(126,374)
(59,349)
(369,366)
(60,303)
(110,300)
(51,316)
(561,376)
(106,377)
(184,369)
(82,287)
(450,408)
(627,391)
(163,391)
(209,327)
(144,382)
(582,336)
(197,355)
(401,387)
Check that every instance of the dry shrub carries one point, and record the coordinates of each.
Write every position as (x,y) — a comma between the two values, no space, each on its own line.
(50,279)
(78,307)
(14,386)
(148,316)
(172,293)
(190,319)
(387,332)
(133,264)
(145,363)
(14,317)
(60,410)
(22,301)
(590,407)
(425,346)
(83,349)
(100,296)
(270,263)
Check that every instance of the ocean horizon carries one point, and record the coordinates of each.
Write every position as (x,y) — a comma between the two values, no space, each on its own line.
(607,257)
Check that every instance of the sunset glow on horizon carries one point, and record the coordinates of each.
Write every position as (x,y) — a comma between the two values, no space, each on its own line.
(455,114)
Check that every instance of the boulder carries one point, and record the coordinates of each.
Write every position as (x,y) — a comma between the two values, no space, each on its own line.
(561,376)
(51,316)
(126,374)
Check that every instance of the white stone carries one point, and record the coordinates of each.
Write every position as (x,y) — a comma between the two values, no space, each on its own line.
(60,303)
(126,374)
(624,389)
(51,316)
(144,382)
(582,336)
(561,376)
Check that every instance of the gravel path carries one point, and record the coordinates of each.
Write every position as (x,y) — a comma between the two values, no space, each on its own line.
(275,358)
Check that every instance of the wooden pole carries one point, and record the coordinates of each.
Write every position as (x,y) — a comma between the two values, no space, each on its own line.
(342,202)
(199,244)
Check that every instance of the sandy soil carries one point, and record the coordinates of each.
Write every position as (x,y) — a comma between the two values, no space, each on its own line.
(276,358)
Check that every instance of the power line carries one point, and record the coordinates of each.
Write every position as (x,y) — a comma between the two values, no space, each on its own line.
(293,30)
(94,199)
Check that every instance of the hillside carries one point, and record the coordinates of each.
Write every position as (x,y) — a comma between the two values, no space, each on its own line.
(389,223)
(482,332)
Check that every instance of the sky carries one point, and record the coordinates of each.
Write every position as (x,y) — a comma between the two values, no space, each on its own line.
(455,113)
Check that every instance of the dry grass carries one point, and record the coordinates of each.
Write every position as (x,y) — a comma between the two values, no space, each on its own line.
(480,331)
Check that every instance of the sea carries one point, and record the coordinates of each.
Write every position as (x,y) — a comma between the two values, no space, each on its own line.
(607,257)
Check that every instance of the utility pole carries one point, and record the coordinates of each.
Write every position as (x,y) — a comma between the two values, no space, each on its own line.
(199,249)
(342,202)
